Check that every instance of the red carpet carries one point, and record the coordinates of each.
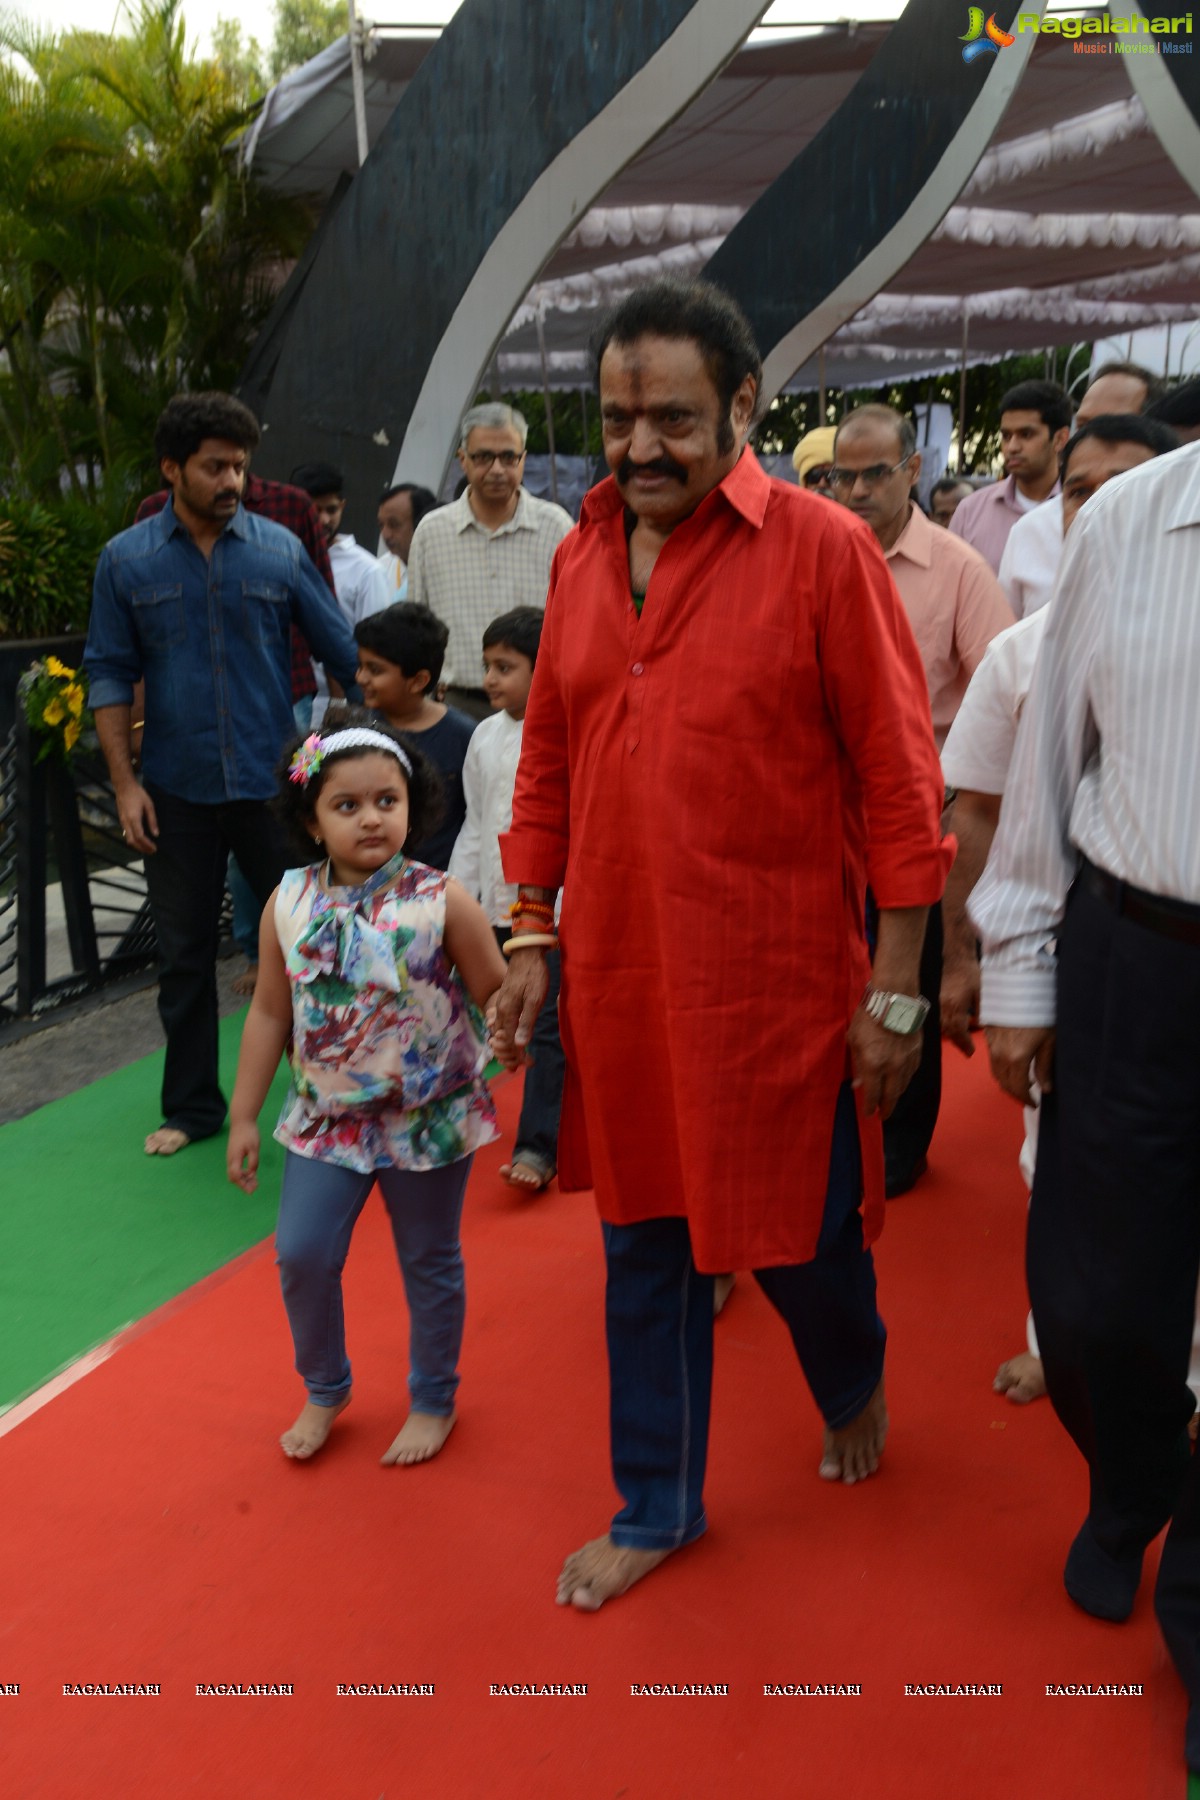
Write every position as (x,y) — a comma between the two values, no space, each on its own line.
(156,1536)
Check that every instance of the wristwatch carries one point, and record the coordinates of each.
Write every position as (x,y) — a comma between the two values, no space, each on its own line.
(901,1013)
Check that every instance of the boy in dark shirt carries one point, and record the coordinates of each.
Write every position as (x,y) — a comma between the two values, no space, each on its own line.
(400,655)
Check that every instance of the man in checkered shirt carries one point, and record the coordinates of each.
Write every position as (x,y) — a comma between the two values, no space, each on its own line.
(486,553)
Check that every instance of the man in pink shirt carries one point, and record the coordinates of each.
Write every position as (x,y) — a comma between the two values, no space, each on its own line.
(956,607)
(1035,423)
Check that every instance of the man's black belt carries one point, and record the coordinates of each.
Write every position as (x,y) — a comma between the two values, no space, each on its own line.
(1178,919)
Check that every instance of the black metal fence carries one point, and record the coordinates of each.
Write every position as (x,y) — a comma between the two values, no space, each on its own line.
(59,835)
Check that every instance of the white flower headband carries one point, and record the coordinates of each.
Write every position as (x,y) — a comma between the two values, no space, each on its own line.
(313,751)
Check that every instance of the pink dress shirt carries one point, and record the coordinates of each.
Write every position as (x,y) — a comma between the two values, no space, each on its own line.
(955,606)
(985,519)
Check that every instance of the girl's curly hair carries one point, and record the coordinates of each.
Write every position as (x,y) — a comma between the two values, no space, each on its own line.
(295,804)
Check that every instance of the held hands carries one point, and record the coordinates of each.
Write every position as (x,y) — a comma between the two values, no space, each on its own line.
(241,1156)
(884,1062)
(1015,1050)
(500,1042)
(516,1005)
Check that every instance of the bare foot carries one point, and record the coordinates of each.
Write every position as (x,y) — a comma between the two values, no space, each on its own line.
(247,981)
(525,1175)
(722,1288)
(1021,1378)
(421,1436)
(601,1571)
(852,1452)
(166,1141)
(311,1429)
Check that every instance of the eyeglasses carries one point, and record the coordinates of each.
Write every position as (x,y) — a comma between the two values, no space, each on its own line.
(846,478)
(818,476)
(483,459)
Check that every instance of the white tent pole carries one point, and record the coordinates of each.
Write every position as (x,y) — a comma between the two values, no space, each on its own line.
(541,337)
(821,391)
(356,78)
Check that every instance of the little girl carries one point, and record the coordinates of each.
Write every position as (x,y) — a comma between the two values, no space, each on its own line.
(366,961)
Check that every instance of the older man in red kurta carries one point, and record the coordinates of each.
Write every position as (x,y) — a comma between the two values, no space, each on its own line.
(728,735)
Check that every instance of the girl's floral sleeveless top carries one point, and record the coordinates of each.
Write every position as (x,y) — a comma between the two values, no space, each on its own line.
(388,1050)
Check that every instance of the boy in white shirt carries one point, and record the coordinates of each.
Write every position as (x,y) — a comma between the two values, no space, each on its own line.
(510,647)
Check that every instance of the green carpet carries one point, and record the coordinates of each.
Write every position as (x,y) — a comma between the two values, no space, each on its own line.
(94,1233)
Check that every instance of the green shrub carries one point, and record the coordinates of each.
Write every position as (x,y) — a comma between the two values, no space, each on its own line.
(47,559)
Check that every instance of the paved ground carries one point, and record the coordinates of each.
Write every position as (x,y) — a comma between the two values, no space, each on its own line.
(87,1040)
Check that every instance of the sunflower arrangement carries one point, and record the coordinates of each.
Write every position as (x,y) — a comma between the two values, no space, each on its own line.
(55,701)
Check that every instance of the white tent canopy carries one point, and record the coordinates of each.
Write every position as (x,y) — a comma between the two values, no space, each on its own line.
(1075,225)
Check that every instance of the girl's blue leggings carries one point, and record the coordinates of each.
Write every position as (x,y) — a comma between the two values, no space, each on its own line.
(317,1211)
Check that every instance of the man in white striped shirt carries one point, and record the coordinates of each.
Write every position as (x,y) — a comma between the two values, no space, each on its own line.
(1099,849)
(487,552)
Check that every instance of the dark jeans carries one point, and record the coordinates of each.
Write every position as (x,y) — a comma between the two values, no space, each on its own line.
(1114,1245)
(318,1210)
(659,1315)
(472,701)
(537,1129)
(185,879)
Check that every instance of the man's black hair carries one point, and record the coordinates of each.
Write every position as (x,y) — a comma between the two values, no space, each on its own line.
(318,479)
(1180,406)
(1051,402)
(946,484)
(1153,384)
(187,419)
(423,500)
(1123,428)
(295,804)
(409,635)
(700,312)
(520,630)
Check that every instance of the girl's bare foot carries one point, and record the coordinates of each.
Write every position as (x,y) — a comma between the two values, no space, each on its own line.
(421,1436)
(1021,1378)
(601,1571)
(852,1453)
(525,1175)
(166,1141)
(313,1426)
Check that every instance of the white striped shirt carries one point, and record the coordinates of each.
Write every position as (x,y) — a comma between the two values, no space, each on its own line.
(468,575)
(1107,759)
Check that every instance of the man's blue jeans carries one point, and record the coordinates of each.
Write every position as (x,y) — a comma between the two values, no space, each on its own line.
(318,1209)
(659,1316)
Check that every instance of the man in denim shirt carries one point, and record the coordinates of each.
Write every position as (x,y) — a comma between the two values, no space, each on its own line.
(199,602)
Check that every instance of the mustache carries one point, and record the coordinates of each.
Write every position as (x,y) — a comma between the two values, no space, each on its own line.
(662,465)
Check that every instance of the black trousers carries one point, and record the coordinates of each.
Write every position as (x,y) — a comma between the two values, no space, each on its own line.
(907,1134)
(536,1141)
(185,879)
(1114,1244)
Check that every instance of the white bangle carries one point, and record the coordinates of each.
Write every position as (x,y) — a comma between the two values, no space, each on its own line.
(535,940)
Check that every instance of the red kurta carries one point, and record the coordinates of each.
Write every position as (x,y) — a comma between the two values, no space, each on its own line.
(713,785)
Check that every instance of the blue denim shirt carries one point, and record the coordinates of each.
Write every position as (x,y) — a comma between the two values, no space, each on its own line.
(211,639)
